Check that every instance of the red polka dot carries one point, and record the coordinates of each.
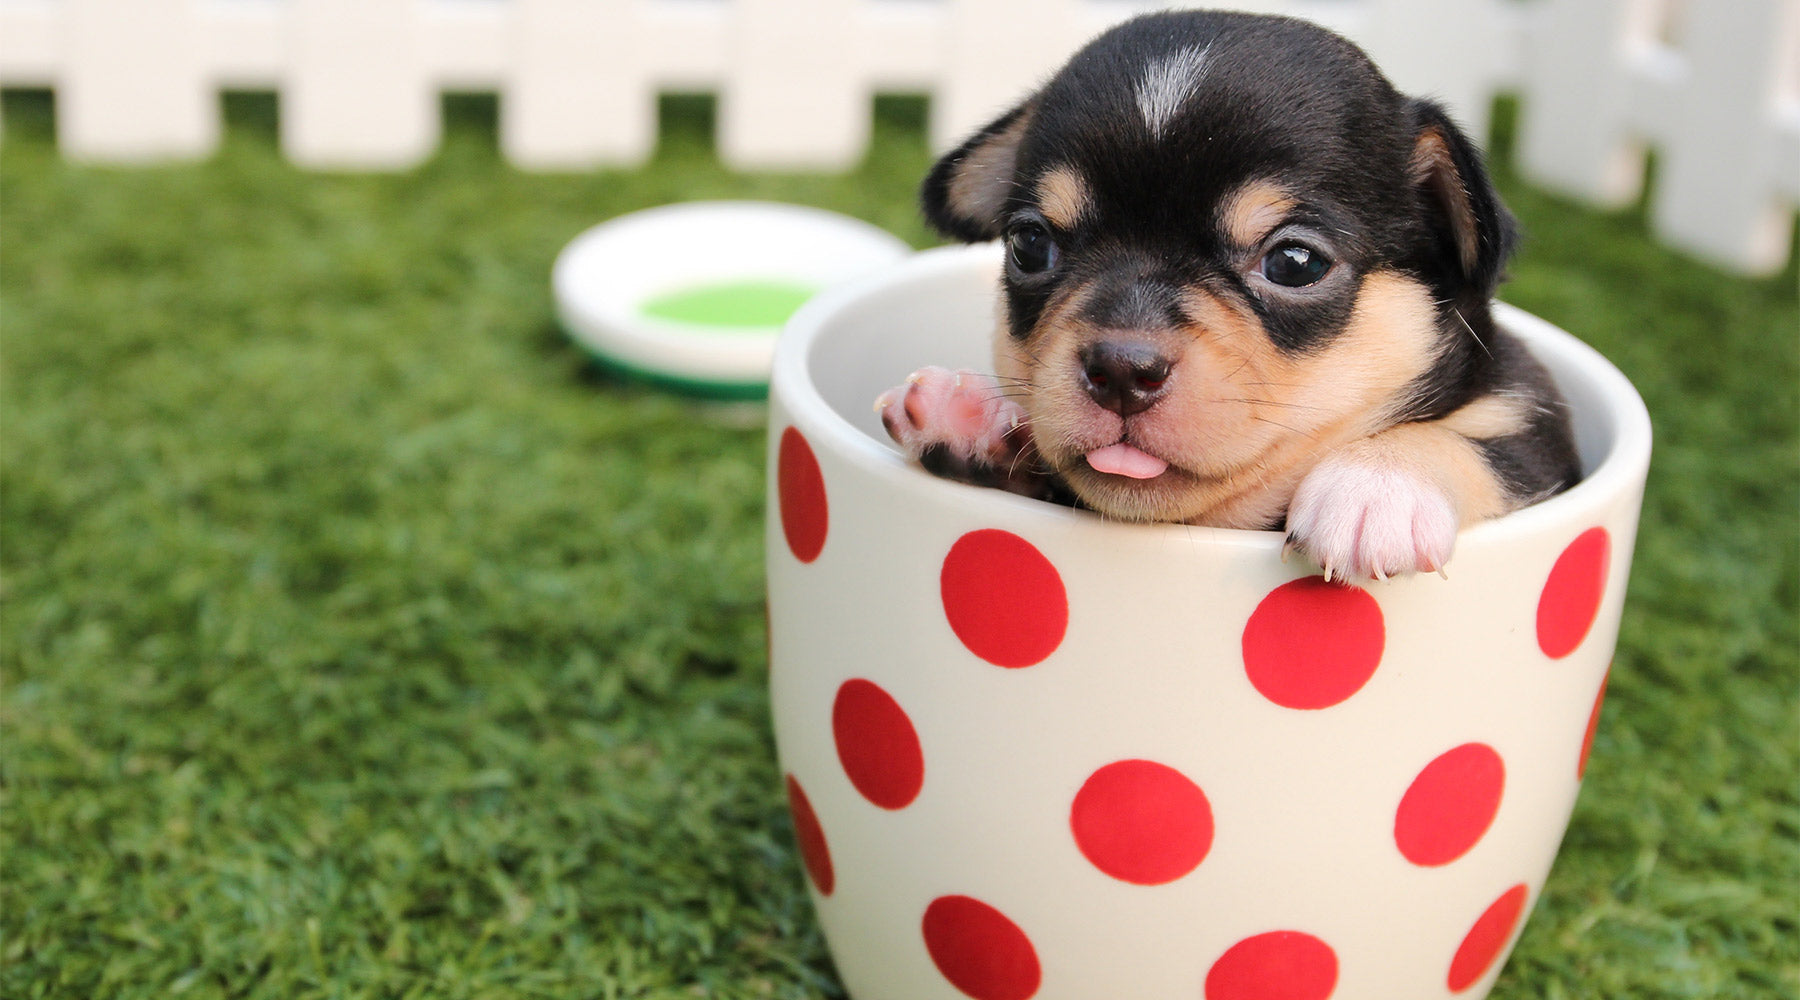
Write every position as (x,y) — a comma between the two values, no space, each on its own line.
(1279,965)
(979,950)
(800,490)
(1450,805)
(811,838)
(1571,597)
(1486,939)
(1003,598)
(877,745)
(1593,724)
(1142,822)
(1312,644)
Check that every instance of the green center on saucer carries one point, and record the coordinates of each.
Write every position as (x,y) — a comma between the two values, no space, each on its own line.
(748,304)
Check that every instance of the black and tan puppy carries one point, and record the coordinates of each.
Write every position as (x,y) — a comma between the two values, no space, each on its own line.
(1247,285)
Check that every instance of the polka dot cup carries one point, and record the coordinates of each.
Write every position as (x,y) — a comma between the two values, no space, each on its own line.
(1033,754)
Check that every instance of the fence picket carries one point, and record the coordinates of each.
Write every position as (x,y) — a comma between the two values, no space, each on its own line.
(579,96)
(133,85)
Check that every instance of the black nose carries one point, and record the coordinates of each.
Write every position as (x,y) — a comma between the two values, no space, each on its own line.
(1124,376)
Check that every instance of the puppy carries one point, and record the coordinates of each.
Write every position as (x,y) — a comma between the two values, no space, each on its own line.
(1246,285)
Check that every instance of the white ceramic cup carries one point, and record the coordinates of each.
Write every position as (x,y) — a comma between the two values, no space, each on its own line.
(1033,753)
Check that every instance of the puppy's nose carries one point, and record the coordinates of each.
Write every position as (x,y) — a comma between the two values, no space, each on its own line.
(1124,376)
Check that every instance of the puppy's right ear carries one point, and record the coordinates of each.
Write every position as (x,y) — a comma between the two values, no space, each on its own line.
(1474,227)
(965,193)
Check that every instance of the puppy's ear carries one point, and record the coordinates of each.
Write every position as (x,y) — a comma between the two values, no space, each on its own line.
(1475,232)
(966,191)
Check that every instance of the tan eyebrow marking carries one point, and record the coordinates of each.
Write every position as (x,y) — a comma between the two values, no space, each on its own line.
(1254,211)
(1063,197)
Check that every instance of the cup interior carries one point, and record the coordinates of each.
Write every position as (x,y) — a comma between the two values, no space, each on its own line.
(940,307)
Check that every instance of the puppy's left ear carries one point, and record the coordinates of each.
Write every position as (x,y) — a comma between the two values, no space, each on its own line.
(964,194)
(1475,232)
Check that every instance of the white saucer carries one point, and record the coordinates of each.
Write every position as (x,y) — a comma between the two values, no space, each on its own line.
(606,276)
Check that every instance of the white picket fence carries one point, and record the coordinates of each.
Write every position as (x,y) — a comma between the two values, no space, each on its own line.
(1713,86)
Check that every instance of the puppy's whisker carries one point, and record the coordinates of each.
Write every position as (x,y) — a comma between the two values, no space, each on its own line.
(1025,458)
(1478,342)
(1286,427)
(1268,402)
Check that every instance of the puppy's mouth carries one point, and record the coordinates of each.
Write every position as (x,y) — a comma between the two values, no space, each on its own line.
(1127,460)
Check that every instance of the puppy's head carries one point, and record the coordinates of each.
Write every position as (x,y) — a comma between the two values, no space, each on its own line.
(1230,245)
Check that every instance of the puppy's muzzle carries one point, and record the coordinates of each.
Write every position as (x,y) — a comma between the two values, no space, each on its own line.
(1124,376)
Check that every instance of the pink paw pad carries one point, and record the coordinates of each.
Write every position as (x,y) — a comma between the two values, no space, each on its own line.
(963,413)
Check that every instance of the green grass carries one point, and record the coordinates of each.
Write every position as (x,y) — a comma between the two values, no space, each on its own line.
(360,640)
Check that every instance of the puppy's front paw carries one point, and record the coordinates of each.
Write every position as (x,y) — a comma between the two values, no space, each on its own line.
(958,424)
(1369,519)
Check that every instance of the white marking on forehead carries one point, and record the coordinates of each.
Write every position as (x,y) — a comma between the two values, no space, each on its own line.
(1168,84)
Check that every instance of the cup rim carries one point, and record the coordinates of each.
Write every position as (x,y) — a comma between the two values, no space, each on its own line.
(1621,469)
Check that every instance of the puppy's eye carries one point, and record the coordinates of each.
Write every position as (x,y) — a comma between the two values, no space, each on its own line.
(1295,265)
(1031,248)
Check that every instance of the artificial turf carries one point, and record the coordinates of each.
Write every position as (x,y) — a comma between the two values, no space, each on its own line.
(359,640)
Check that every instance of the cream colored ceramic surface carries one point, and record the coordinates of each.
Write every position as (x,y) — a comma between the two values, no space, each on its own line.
(1198,778)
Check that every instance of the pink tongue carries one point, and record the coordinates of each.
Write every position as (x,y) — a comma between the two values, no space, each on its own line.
(1124,460)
